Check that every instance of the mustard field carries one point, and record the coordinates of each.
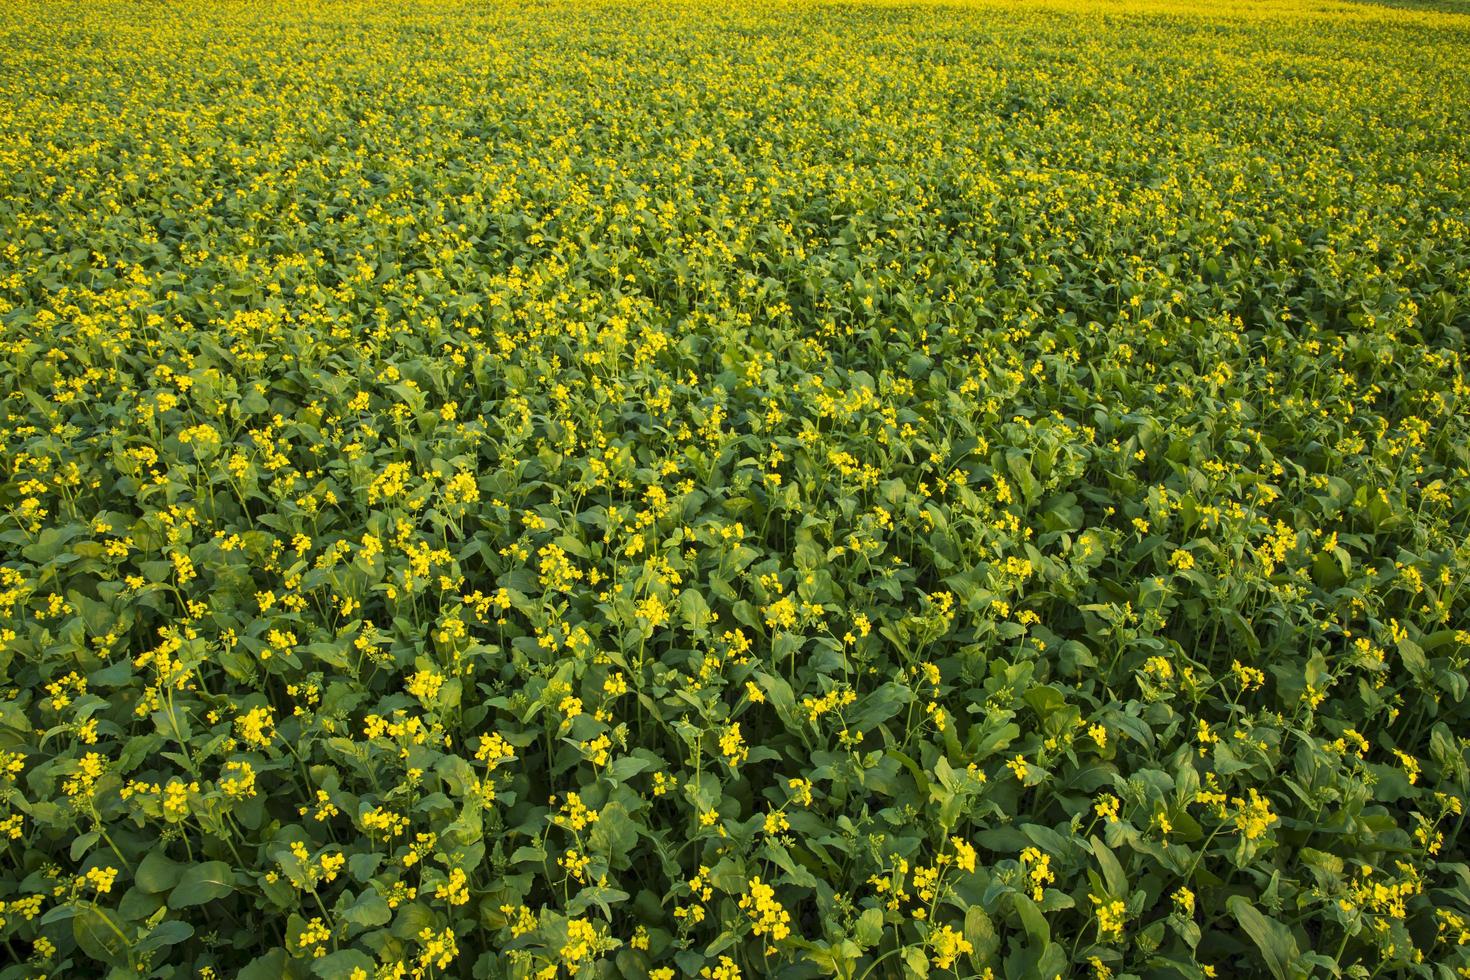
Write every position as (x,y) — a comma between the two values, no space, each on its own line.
(526,489)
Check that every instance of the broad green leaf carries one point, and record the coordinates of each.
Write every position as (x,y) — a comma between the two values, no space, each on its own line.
(1278,946)
(201,883)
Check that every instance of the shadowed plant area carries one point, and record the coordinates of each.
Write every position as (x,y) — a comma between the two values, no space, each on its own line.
(661,490)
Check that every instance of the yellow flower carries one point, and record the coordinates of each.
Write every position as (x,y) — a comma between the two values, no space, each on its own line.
(1253,817)
(256,727)
(964,854)
(455,889)
(1110,917)
(313,937)
(438,949)
(1036,871)
(1409,764)
(781,614)
(948,945)
(654,611)
(575,815)
(801,790)
(101,879)
(425,685)
(733,747)
(726,969)
(767,916)
(1249,677)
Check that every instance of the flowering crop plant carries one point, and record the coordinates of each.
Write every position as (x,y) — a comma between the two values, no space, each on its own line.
(535,489)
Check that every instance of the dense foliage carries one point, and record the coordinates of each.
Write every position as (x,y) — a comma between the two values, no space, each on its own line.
(536,489)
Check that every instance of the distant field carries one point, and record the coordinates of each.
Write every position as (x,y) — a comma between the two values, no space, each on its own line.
(700,490)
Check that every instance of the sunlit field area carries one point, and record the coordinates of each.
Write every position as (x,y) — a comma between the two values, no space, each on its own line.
(659,490)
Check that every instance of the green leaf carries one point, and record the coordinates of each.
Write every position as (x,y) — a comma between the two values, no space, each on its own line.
(156,873)
(603,898)
(82,843)
(363,866)
(980,933)
(626,768)
(99,935)
(1277,944)
(342,963)
(370,910)
(202,883)
(1052,962)
(1038,932)
(271,966)
(169,932)
(869,930)
(694,610)
(1113,875)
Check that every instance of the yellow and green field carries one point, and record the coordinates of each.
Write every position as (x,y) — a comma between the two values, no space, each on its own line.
(538,489)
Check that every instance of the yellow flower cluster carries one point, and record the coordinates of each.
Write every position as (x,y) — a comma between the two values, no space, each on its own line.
(767,917)
(1036,871)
